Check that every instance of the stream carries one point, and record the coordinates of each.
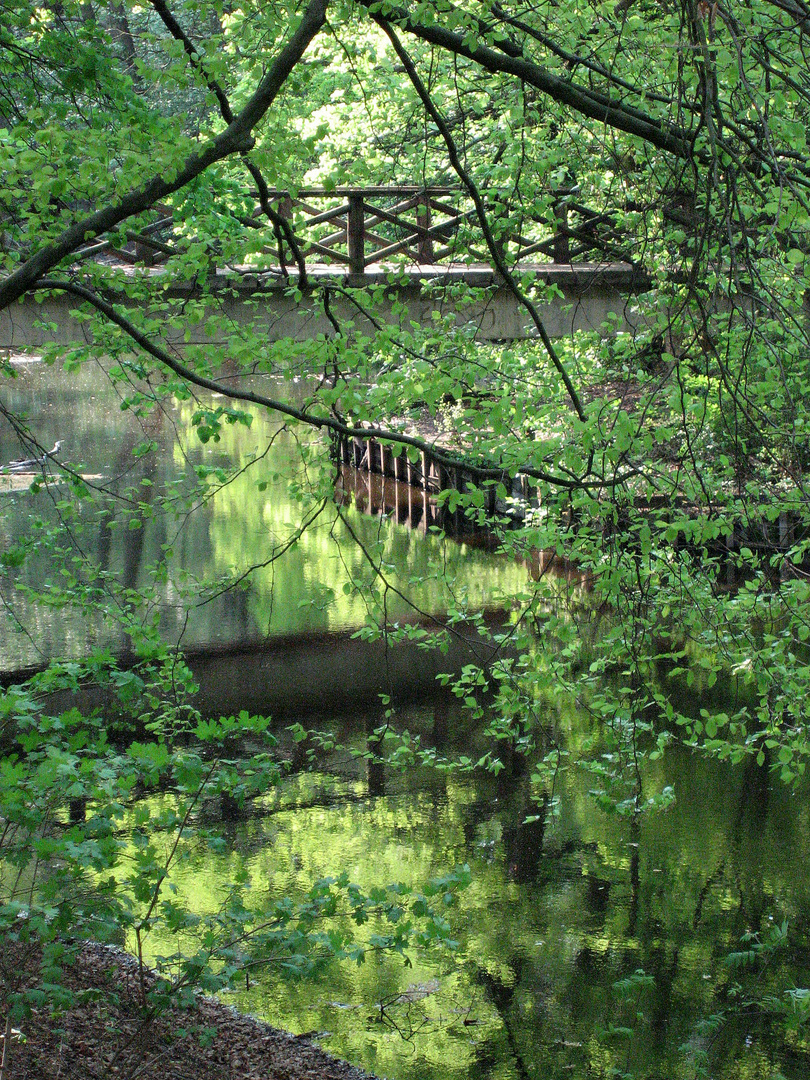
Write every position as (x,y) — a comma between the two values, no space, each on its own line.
(588,944)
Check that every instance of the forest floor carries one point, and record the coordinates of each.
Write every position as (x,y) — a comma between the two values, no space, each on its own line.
(105,1035)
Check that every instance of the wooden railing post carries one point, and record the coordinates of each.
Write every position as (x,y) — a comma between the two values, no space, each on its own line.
(561,252)
(425,242)
(144,253)
(285,210)
(356,234)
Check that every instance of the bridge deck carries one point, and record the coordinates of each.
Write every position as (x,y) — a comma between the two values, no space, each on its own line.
(579,275)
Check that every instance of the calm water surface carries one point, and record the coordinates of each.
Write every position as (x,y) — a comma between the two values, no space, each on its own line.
(590,945)
(298,585)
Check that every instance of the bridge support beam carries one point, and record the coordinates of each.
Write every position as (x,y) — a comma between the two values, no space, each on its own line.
(587,295)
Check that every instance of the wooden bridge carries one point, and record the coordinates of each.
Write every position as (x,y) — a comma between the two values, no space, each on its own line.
(417,243)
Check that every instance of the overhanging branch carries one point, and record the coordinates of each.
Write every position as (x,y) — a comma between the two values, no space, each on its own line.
(492,247)
(235,138)
(281,226)
(329,422)
(508,59)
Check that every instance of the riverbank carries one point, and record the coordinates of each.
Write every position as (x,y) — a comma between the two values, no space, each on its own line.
(104,1034)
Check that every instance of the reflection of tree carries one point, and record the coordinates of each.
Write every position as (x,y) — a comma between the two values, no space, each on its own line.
(375,770)
(141,475)
(752,810)
(635,885)
(502,995)
(546,951)
(711,882)
(523,817)
(523,839)
(441,716)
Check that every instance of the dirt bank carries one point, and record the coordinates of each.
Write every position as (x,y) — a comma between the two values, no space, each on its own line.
(105,1035)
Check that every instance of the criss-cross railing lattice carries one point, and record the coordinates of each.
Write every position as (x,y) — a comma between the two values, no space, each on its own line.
(359,228)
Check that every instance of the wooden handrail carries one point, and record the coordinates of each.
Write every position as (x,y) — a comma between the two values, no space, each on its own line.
(358,231)
(366,192)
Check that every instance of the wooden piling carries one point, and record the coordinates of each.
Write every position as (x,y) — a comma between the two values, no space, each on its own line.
(427,477)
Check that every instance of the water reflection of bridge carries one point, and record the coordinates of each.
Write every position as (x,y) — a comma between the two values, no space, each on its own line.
(379,483)
(417,492)
(406,503)
(414,503)
(291,676)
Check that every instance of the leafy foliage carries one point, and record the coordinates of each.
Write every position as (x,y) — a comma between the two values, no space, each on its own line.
(659,460)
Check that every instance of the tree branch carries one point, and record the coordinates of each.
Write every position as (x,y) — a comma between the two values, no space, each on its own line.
(508,59)
(328,423)
(195,57)
(280,224)
(575,60)
(480,209)
(235,138)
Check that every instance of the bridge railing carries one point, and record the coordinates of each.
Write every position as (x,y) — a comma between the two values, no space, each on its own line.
(361,227)
(358,228)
